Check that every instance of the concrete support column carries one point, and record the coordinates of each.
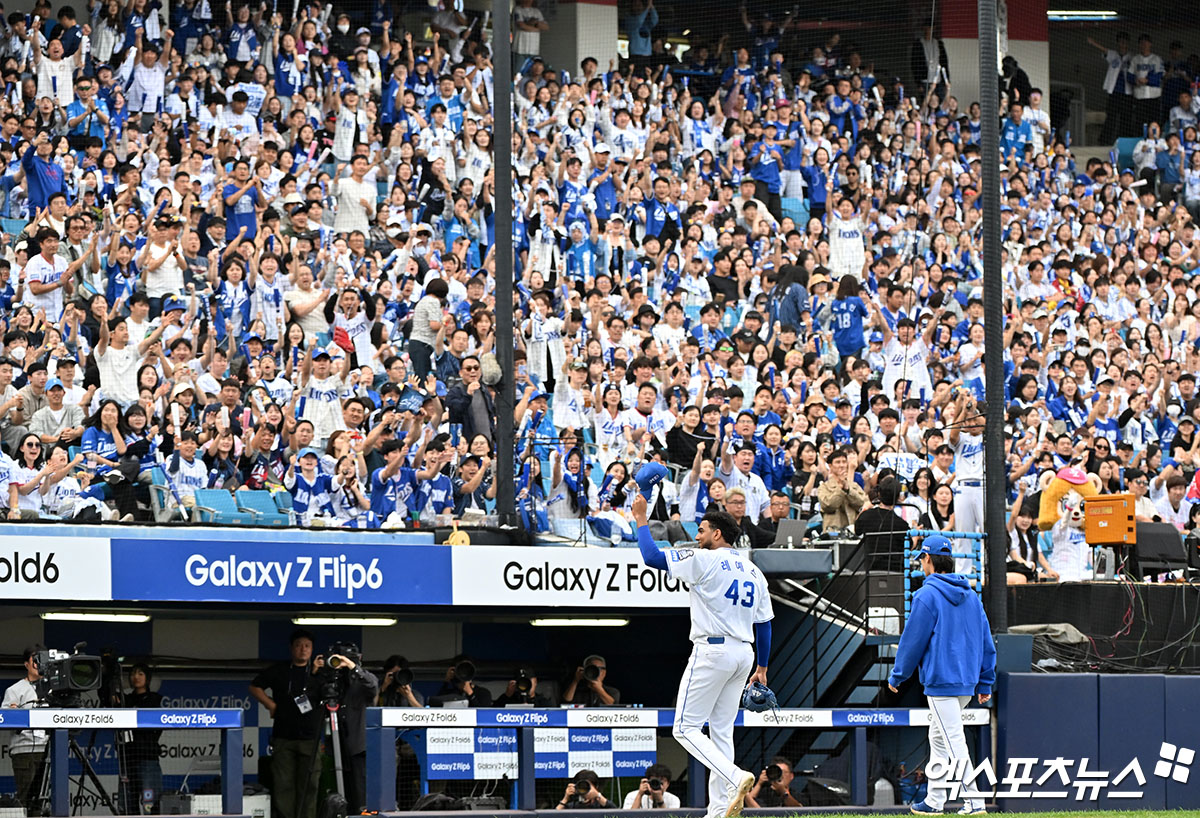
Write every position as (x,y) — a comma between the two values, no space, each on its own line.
(1027,41)
(581,29)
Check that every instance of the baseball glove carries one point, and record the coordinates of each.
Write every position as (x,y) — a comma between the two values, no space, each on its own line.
(759,698)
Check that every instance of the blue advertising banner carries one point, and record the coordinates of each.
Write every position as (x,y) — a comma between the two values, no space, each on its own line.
(244,570)
(51,719)
(488,753)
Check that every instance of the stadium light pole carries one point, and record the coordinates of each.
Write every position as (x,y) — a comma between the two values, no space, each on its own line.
(995,468)
(506,508)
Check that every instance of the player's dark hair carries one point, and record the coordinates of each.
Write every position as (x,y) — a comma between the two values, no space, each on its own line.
(723,522)
(942,563)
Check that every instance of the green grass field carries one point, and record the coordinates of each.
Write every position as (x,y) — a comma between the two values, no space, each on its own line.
(1133,813)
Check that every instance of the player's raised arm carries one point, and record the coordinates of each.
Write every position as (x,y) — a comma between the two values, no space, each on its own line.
(650,553)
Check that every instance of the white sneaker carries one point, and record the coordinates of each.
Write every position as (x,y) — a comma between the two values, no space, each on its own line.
(967,810)
(738,797)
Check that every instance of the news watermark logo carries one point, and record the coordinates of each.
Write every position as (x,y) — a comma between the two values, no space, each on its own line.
(1056,778)
(1174,762)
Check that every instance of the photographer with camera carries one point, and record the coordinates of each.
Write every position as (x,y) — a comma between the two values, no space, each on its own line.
(350,686)
(587,688)
(774,786)
(652,793)
(27,748)
(522,689)
(460,684)
(141,791)
(295,705)
(584,793)
(396,689)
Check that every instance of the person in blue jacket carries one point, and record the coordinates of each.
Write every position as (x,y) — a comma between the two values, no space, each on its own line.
(949,638)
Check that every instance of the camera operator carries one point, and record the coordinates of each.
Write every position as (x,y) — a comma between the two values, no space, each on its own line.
(294,704)
(588,687)
(27,748)
(522,689)
(774,786)
(356,689)
(140,793)
(460,684)
(652,794)
(396,689)
(584,793)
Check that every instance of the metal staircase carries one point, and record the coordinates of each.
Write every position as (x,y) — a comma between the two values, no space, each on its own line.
(835,642)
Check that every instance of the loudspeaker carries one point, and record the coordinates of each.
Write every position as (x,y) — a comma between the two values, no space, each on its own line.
(1159,548)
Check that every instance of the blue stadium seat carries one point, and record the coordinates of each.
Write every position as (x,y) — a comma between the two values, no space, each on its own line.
(691,529)
(217,506)
(1124,148)
(262,505)
(162,500)
(797,211)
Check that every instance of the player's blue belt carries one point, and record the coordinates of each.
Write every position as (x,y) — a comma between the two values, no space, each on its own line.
(970,482)
(715,640)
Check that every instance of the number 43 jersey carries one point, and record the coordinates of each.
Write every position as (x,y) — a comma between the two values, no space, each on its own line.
(728,594)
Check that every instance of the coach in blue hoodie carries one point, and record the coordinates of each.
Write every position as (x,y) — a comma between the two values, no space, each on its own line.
(948,637)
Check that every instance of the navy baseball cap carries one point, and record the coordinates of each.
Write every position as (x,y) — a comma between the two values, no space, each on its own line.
(648,477)
(937,544)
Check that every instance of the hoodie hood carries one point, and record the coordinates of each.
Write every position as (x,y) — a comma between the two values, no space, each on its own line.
(953,587)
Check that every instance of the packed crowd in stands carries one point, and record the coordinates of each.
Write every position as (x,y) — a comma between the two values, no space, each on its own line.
(254,251)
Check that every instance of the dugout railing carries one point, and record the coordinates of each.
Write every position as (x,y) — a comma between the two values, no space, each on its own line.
(65,723)
(386,725)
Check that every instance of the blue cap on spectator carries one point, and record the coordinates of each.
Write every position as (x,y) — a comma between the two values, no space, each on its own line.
(937,544)
(877,337)
(306,451)
(649,476)
(54,383)
(172,304)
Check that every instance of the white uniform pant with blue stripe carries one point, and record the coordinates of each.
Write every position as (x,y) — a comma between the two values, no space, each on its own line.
(968,516)
(948,746)
(711,691)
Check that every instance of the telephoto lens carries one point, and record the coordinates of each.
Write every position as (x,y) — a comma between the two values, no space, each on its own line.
(582,787)
(524,680)
(774,773)
(655,783)
(402,676)
(464,671)
(591,673)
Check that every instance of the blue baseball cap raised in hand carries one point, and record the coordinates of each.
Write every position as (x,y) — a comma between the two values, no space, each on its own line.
(648,477)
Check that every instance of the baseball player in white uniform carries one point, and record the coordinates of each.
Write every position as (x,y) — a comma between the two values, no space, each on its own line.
(730,610)
(966,436)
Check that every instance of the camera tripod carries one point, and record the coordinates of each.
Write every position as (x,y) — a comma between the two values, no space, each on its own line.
(335,803)
(87,783)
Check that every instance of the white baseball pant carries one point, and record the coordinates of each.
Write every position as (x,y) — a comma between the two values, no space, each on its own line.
(948,743)
(968,516)
(711,691)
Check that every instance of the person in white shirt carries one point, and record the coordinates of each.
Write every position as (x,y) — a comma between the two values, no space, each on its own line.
(351,127)
(737,472)
(147,90)
(46,275)
(1039,119)
(27,748)
(356,199)
(1174,507)
(652,792)
(55,73)
(528,25)
(966,424)
(847,252)
(644,425)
